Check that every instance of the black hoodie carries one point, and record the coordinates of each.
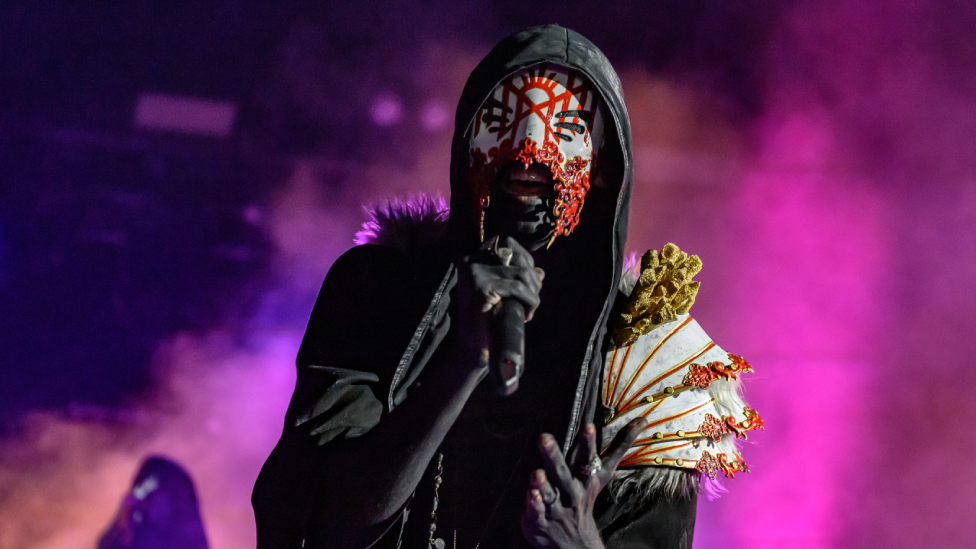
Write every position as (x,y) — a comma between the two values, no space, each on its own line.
(384,313)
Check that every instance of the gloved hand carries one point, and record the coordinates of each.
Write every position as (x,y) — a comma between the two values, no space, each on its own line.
(483,281)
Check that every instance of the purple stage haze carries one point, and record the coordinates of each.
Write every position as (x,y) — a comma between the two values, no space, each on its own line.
(837,228)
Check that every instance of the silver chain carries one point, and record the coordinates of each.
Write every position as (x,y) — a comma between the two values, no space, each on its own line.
(431,542)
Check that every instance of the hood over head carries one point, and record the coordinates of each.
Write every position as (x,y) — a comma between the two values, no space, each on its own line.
(554,45)
(612,176)
(161,511)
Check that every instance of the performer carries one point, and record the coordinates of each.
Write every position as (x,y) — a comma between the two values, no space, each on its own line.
(159,512)
(396,436)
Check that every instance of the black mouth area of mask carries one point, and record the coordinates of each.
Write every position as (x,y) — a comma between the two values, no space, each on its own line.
(535,180)
(521,204)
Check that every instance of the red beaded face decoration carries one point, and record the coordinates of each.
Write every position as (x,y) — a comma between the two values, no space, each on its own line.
(545,114)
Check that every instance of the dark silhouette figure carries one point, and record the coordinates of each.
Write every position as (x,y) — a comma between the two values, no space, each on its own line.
(159,512)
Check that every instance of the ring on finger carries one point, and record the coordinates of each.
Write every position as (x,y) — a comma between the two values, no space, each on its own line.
(594,466)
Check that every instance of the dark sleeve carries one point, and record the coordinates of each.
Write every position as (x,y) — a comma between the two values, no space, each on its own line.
(360,324)
(661,523)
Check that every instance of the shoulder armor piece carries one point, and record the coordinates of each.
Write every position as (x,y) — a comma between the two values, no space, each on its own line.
(662,366)
(686,387)
(662,290)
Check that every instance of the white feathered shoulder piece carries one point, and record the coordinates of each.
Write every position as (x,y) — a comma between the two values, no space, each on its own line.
(665,368)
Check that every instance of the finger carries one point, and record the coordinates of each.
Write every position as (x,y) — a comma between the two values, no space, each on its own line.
(484,274)
(490,301)
(539,481)
(621,443)
(588,436)
(507,287)
(588,449)
(541,275)
(528,275)
(534,522)
(556,469)
(531,279)
(515,289)
(501,280)
(520,256)
(535,506)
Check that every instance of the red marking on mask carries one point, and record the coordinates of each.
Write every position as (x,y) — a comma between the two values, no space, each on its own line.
(519,106)
(572,178)
(572,181)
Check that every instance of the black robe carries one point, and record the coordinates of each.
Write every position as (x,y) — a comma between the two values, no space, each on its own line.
(384,314)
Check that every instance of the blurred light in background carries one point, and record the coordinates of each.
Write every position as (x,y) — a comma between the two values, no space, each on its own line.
(185,114)
(435,116)
(386,110)
(252,215)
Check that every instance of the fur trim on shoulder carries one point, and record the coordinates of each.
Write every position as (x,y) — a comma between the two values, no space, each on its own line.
(639,486)
(418,221)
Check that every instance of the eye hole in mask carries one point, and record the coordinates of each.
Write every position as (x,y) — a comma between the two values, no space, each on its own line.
(532,147)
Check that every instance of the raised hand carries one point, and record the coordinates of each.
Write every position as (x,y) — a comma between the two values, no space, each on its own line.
(559,503)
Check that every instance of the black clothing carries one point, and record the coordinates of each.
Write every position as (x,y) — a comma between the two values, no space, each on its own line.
(384,314)
(159,512)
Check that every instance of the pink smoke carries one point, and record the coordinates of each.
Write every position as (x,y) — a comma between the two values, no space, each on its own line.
(216,409)
(838,246)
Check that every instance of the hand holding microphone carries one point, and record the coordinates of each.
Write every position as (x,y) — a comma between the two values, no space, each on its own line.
(505,274)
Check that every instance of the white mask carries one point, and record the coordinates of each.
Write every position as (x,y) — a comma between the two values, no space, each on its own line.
(546,114)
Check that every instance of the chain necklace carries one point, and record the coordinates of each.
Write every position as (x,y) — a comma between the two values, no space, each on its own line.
(431,542)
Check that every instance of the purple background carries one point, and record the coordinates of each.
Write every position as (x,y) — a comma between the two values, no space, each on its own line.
(820,157)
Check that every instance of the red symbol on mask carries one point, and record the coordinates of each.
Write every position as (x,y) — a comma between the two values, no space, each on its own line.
(572,182)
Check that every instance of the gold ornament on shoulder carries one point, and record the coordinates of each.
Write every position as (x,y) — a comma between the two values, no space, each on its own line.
(663,291)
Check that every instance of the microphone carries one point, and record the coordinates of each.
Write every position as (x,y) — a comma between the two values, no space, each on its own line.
(506,345)
(506,336)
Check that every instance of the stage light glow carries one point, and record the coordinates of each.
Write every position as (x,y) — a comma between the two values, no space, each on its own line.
(193,115)
(386,110)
